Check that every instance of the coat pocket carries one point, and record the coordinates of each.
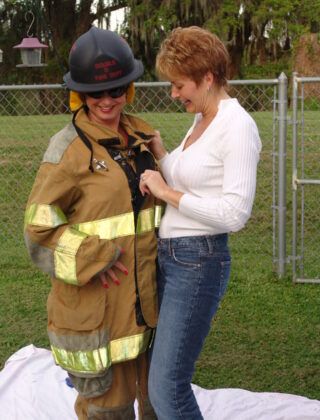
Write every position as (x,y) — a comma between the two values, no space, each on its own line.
(76,308)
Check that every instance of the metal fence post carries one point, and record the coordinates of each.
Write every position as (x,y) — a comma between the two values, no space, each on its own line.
(294,172)
(283,107)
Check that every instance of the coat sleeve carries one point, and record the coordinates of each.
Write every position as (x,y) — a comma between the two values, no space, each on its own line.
(54,244)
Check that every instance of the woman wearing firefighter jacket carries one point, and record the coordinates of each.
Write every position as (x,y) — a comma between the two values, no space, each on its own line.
(89,227)
(210,187)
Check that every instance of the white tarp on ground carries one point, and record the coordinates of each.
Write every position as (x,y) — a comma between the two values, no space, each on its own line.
(32,387)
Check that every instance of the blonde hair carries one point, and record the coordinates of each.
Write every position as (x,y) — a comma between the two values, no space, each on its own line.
(193,52)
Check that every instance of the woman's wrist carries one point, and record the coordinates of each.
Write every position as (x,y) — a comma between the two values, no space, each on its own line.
(160,154)
(157,148)
(171,196)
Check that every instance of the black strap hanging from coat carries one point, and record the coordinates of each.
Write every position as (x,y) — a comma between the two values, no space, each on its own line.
(84,138)
(143,160)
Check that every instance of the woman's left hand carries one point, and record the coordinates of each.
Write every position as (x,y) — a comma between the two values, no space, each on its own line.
(152,182)
(110,273)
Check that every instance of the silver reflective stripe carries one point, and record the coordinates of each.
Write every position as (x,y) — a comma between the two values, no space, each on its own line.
(100,359)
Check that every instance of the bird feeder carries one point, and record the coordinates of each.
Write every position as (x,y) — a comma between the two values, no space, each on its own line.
(31,49)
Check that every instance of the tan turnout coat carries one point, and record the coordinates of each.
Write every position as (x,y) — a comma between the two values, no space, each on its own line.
(76,222)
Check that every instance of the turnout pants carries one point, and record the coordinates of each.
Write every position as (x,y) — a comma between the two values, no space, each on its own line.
(129,382)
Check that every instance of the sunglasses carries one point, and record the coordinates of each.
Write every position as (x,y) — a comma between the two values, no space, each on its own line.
(113,93)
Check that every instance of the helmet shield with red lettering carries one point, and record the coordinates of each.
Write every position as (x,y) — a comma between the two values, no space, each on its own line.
(100,59)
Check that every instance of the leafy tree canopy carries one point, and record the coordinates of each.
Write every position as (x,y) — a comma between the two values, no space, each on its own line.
(256,32)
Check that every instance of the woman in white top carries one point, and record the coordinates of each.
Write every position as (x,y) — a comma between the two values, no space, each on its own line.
(209,186)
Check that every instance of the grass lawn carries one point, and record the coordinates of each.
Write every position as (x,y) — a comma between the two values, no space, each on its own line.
(266,334)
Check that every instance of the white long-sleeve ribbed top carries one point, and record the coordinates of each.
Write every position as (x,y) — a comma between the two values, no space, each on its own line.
(217,175)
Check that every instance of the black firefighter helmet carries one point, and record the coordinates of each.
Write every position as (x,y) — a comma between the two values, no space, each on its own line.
(100,59)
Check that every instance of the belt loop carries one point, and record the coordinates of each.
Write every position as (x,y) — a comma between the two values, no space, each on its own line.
(169,247)
(209,240)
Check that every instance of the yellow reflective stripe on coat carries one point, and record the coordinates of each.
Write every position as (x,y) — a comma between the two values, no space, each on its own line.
(123,224)
(44,215)
(65,255)
(71,239)
(110,228)
(146,220)
(98,360)
(158,213)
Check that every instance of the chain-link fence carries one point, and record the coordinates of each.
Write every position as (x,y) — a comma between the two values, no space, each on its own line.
(306,180)
(30,115)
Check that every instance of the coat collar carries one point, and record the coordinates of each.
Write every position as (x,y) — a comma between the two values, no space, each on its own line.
(138,131)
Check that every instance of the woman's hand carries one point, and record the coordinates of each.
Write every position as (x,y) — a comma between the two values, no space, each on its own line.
(152,182)
(110,274)
(156,147)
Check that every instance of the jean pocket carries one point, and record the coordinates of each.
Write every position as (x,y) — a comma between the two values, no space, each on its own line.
(186,257)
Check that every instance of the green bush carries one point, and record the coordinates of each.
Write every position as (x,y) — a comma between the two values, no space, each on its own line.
(265,71)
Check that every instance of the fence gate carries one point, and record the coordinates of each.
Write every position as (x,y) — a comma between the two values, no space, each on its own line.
(305,180)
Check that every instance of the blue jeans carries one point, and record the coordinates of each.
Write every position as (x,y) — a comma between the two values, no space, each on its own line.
(193,277)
